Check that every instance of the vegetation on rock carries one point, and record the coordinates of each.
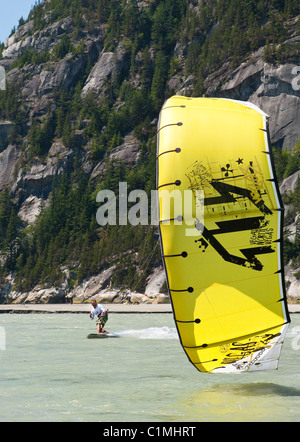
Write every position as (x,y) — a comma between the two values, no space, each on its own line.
(158,39)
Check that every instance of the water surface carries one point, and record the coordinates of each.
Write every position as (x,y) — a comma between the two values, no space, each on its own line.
(51,372)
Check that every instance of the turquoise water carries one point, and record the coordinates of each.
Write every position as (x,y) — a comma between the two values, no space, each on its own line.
(51,372)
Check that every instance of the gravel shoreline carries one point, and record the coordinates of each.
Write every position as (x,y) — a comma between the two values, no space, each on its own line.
(85,308)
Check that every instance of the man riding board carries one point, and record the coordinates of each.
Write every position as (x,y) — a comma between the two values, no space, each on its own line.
(102,314)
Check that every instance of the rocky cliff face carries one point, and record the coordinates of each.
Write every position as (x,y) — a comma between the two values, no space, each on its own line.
(271,88)
(86,64)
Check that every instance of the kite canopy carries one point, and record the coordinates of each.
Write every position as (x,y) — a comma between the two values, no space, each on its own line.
(224,270)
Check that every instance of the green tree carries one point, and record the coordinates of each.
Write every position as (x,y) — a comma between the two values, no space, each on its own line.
(63,47)
(159,80)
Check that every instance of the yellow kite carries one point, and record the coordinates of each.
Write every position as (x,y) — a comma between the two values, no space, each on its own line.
(224,269)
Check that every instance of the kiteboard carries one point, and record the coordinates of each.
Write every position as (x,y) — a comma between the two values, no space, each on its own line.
(102,335)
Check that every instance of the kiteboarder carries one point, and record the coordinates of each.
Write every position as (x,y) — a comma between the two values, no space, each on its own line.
(102,314)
